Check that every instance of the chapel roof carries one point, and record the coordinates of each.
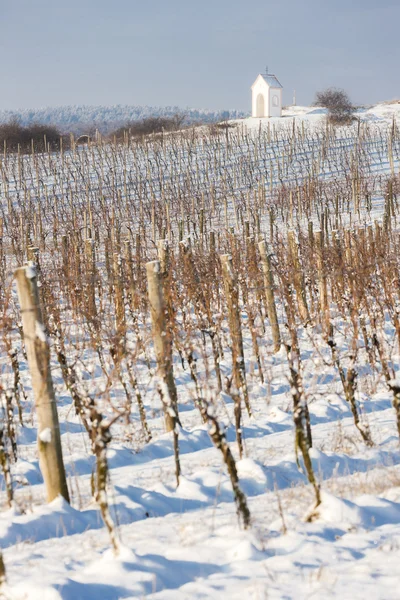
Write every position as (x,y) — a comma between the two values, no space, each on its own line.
(271,80)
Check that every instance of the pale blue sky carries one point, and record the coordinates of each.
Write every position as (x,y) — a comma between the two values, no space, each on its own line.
(203,54)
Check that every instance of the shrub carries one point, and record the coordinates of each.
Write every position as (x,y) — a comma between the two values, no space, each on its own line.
(149,126)
(15,135)
(338,103)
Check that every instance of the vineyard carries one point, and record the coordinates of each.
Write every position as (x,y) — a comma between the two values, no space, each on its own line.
(200,340)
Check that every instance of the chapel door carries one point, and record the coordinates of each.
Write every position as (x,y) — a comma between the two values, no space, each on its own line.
(260,105)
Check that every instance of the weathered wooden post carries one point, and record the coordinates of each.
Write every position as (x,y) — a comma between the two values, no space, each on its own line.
(33,256)
(235,327)
(90,283)
(163,256)
(323,289)
(162,341)
(119,295)
(212,242)
(163,350)
(269,294)
(37,349)
(64,255)
(298,278)
(322,284)
(238,365)
(129,273)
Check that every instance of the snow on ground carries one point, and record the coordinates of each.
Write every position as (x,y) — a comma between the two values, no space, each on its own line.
(186,542)
(383,112)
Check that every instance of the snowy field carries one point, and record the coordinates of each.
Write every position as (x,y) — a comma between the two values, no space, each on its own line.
(186,542)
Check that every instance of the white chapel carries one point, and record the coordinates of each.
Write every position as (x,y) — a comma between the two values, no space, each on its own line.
(266,96)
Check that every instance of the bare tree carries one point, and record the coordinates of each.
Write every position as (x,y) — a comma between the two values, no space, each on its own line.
(337,101)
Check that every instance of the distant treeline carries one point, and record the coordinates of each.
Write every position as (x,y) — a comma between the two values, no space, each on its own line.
(80,119)
(16,137)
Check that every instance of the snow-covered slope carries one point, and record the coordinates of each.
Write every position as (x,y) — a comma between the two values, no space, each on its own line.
(382,112)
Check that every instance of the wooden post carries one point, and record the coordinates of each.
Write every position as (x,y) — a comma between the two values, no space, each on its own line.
(64,254)
(139,298)
(37,349)
(162,341)
(119,295)
(269,294)
(311,234)
(298,278)
(129,273)
(33,256)
(212,242)
(232,299)
(163,256)
(90,283)
(163,350)
(201,226)
(323,289)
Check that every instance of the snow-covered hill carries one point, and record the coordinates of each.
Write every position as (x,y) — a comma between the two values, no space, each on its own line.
(384,111)
(80,118)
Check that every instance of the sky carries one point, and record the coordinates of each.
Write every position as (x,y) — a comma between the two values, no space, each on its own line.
(202,54)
